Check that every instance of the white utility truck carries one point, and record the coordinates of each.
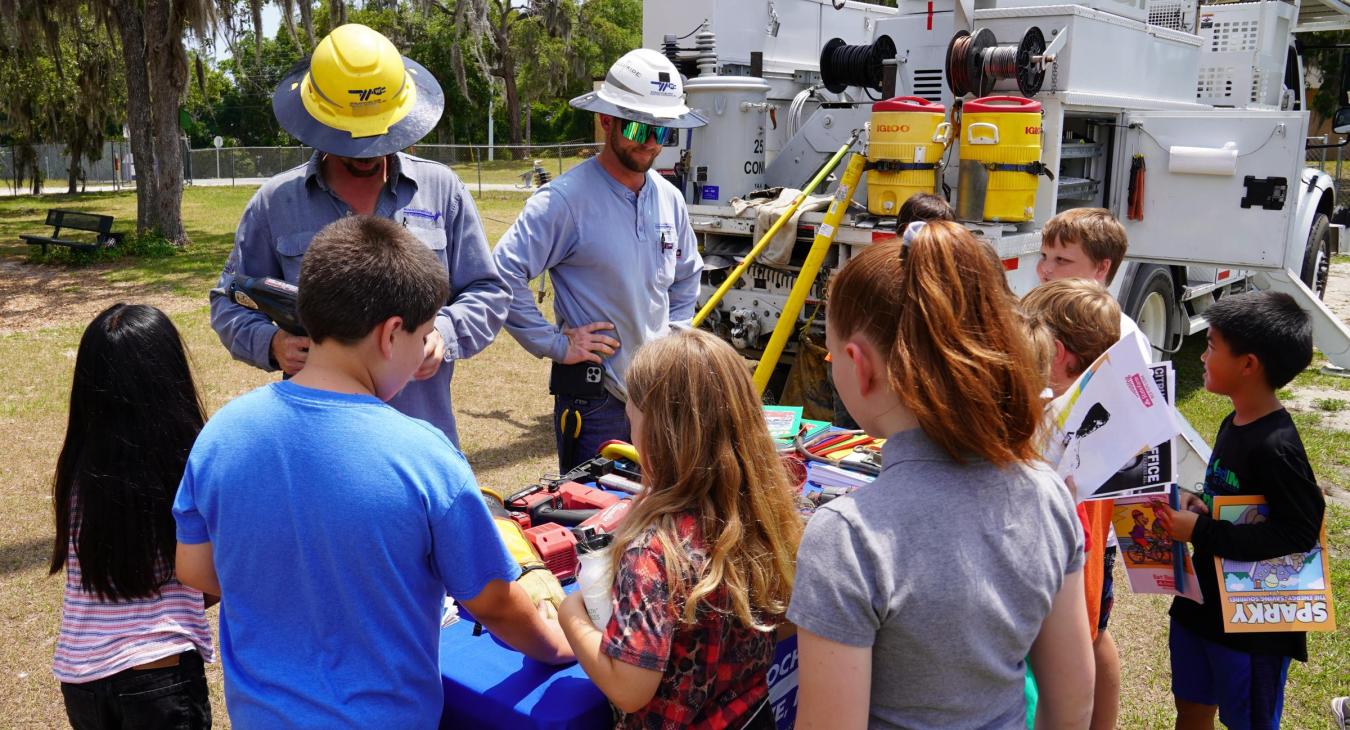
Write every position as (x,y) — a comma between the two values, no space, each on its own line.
(1187,119)
(1203,104)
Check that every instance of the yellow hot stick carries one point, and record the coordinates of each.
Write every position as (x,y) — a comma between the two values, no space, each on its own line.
(806,278)
(769,234)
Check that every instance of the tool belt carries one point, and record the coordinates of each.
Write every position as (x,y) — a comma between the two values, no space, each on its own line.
(579,380)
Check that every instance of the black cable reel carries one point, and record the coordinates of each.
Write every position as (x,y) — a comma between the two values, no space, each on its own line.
(975,63)
(842,65)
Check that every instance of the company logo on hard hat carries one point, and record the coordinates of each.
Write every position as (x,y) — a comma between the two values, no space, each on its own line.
(365,94)
(664,85)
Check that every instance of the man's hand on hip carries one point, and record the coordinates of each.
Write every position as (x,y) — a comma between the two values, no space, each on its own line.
(289,351)
(584,345)
(434,356)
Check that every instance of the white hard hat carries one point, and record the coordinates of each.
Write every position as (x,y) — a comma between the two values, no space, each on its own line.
(642,86)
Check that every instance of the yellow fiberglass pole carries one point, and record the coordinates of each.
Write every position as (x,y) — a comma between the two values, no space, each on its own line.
(806,278)
(735,274)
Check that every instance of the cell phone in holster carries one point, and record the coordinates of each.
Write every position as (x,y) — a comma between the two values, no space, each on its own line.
(579,380)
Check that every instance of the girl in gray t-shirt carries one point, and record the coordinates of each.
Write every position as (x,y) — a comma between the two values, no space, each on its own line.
(920,596)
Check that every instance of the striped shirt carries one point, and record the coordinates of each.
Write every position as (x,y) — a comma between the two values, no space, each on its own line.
(100,638)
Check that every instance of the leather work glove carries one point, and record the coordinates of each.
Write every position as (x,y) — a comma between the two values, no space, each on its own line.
(535,577)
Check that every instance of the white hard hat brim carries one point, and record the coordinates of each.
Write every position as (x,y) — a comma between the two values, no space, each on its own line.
(422,118)
(684,117)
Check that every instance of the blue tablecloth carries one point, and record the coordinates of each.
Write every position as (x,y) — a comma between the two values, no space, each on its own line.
(488,685)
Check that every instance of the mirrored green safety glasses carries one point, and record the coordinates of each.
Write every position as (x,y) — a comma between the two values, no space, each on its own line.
(639,132)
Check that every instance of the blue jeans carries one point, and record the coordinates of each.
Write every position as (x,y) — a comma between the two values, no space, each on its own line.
(588,423)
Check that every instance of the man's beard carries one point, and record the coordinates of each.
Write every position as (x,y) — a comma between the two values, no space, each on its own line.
(349,164)
(626,156)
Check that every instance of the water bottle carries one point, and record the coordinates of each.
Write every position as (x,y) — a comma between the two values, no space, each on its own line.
(595,578)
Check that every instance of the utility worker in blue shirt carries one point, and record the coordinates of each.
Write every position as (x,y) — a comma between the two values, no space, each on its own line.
(358,103)
(615,239)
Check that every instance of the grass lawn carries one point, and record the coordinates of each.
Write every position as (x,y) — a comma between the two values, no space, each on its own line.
(503,409)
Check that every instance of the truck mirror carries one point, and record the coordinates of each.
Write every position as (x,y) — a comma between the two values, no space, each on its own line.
(1340,123)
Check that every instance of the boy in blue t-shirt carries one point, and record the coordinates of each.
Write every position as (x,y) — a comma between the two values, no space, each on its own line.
(1257,344)
(331,525)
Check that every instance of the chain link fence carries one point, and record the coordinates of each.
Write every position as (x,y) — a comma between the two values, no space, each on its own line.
(53,164)
(500,167)
(1331,160)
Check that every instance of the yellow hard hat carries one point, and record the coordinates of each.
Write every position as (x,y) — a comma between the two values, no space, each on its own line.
(357,97)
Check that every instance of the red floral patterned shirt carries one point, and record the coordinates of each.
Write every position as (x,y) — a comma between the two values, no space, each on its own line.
(715,671)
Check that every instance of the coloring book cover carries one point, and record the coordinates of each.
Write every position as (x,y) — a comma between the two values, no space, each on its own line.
(1289,593)
(1146,550)
(783,420)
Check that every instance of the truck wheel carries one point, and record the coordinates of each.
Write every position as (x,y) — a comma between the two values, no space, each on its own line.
(1153,307)
(1317,256)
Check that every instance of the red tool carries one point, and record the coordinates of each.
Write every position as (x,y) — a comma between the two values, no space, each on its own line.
(557,546)
(608,519)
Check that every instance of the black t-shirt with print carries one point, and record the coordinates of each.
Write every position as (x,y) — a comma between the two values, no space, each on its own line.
(1264,457)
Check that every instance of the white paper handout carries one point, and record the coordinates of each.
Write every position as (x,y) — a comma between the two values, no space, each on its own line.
(1111,414)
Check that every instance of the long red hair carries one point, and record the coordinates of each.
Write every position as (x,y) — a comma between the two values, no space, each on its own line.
(958,353)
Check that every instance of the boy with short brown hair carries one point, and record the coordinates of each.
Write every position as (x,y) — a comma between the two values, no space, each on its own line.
(1078,319)
(1088,244)
(332,525)
(1082,243)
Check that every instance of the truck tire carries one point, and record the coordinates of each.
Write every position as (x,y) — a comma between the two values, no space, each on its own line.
(1317,256)
(1153,306)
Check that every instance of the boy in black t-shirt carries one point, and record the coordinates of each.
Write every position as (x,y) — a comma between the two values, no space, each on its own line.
(1257,344)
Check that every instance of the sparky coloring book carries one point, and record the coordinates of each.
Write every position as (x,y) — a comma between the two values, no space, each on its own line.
(1288,593)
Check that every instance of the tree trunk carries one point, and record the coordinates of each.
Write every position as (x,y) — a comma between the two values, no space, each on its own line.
(168,70)
(76,150)
(131,23)
(508,74)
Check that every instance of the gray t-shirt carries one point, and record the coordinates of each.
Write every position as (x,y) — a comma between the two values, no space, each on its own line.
(946,571)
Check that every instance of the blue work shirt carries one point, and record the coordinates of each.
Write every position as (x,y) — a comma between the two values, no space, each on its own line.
(613,256)
(432,203)
(337,526)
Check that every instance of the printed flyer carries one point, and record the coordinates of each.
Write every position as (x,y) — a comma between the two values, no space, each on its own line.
(1289,593)
(1149,472)
(1146,551)
(1111,414)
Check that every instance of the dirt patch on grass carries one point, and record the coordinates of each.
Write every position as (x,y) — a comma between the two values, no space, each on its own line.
(1331,406)
(1338,291)
(35,297)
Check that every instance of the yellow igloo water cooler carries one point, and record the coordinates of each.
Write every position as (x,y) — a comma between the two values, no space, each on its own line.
(1000,159)
(904,147)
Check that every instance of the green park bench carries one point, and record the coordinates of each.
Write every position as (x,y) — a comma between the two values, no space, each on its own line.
(99,225)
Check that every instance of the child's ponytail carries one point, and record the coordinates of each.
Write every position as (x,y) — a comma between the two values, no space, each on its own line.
(958,353)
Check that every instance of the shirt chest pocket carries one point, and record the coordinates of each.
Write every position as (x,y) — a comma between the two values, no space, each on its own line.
(291,248)
(433,237)
(667,249)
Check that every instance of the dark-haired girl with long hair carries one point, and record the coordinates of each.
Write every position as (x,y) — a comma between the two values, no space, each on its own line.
(920,597)
(133,639)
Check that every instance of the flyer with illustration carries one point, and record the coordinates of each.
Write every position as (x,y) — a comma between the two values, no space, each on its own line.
(1146,551)
(1151,471)
(1289,593)
(1112,414)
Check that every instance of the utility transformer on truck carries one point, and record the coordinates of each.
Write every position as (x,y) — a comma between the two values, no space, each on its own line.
(1187,120)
